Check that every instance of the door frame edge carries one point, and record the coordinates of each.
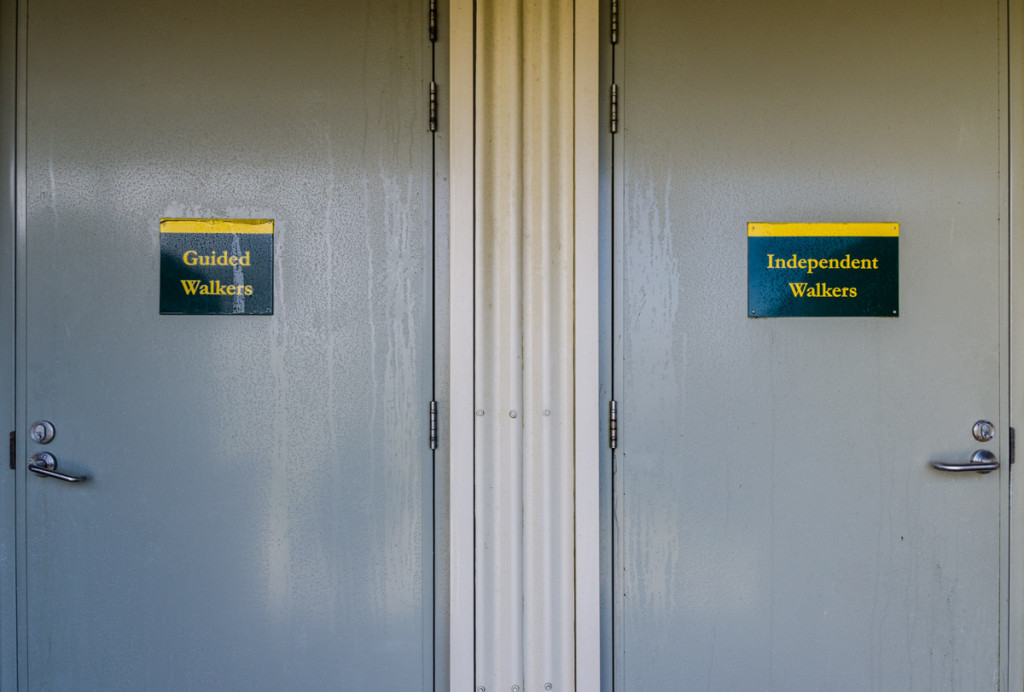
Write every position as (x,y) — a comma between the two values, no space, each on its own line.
(1012,598)
(460,351)
(12,83)
(586,347)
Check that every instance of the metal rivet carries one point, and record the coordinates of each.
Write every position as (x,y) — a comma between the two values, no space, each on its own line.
(547,412)
(480,412)
(513,413)
(515,688)
(481,689)
(549,686)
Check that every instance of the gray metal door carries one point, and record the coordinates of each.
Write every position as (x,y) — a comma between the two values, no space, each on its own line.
(258,507)
(779,524)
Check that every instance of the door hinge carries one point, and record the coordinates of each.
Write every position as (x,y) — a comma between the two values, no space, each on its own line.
(433,425)
(433,20)
(615,22)
(14,450)
(433,106)
(613,424)
(1013,445)
(614,120)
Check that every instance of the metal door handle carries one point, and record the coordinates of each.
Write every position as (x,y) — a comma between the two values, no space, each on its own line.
(982,461)
(45,464)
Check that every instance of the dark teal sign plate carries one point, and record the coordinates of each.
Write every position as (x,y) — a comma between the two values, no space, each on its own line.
(823,270)
(216,267)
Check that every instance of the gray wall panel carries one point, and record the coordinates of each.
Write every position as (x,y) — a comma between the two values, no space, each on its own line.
(259,510)
(779,525)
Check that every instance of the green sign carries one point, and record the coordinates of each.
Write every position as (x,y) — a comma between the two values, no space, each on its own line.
(823,269)
(216,267)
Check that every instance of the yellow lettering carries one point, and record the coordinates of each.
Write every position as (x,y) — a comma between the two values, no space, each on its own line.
(190,286)
(192,258)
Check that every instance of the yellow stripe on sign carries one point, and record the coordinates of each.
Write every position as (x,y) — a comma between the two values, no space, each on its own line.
(791,230)
(217,226)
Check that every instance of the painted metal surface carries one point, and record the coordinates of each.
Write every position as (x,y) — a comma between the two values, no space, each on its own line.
(9,106)
(1012,649)
(524,401)
(257,512)
(778,524)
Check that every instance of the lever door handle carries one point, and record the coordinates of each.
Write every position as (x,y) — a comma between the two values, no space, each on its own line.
(45,464)
(982,461)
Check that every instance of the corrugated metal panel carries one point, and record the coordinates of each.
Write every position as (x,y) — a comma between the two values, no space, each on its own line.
(524,346)
(461,419)
(498,348)
(548,475)
(586,352)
